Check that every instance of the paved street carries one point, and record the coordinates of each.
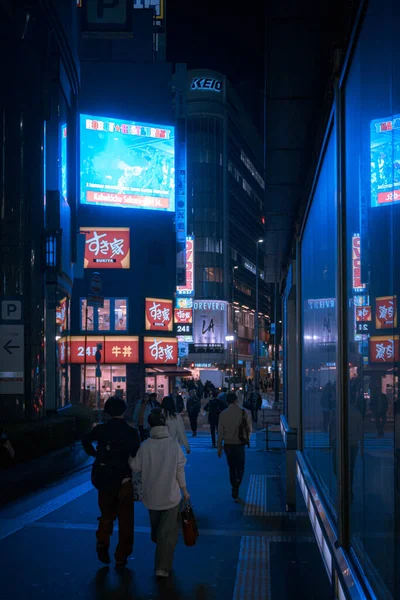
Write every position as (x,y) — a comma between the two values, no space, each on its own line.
(247,550)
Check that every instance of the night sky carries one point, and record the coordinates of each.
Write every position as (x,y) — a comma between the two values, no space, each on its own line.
(223,36)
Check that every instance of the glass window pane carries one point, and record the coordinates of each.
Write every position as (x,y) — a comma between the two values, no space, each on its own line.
(372,107)
(120,315)
(103,315)
(89,316)
(319,301)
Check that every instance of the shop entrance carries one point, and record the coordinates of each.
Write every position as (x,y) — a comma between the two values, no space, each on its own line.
(158,384)
(112,383)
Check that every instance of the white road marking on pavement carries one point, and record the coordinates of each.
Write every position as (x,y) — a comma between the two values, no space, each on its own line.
(10,526)
(256,499)
(252,580)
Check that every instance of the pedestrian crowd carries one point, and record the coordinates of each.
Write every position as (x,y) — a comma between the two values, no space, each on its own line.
(146,462)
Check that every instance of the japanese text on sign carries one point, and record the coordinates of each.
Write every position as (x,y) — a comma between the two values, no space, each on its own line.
(386,312)
(107,248)
(384,349)
(160,350)
(158,314)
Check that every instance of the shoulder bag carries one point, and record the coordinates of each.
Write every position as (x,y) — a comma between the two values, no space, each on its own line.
(244,430)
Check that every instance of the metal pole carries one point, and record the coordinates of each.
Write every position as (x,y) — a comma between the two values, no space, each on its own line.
(84,365)
(233,330)
(276,366)
(256,342)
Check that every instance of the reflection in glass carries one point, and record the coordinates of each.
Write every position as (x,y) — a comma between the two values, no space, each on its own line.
(103,315)
(319,304)
(89,316)
(120,315)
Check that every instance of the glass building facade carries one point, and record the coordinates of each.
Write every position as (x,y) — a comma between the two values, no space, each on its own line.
(347,281)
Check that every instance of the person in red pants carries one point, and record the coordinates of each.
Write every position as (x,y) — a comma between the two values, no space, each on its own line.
(112,477)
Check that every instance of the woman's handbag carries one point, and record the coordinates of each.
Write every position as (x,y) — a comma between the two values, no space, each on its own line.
(189,524)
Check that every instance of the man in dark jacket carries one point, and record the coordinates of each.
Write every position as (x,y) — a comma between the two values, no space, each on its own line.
(214,408)
(112,476)
(178,400)
(193,407)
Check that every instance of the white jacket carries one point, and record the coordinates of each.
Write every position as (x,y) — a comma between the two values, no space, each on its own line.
(177,431)
(161,462)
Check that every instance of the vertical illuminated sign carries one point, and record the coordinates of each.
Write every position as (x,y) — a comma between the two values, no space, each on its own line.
(188,289)
(64,161)
(358,286)
(385,156)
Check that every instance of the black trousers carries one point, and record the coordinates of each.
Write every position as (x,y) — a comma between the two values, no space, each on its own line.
(213,429)
(235,455)
(193,421)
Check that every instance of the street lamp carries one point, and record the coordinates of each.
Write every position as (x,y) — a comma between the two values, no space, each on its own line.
(256,330)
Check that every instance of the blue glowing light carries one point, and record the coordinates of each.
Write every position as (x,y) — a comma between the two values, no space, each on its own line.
(127,164)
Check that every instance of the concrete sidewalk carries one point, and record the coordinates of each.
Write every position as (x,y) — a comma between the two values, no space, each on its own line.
(247,550)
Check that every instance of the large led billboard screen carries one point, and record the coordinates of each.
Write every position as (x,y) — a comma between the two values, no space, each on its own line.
(385,161)
(127,164)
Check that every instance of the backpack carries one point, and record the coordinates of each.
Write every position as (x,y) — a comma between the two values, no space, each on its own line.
(244,430)
(108,470)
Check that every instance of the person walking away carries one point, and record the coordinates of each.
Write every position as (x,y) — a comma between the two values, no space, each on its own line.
(326,404)
(116,443)
(178,401)
(256,403)
(214,407)
(154,402)
(379,406)
(222,396)
(228,440)
(174,423)
(161,462)
(140,416)
(193,407)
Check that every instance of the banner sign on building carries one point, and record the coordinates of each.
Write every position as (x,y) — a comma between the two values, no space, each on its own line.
(106,247)
(188,289)
(61,314)
(181,302)
(358,286)
(385,154)
(386,312)
(115,349)
(384,349)
(160,351)
(363,313)
(183,321)
(127,164)
(159,314)
(210,324)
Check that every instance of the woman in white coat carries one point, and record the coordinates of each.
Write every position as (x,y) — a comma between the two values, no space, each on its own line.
(175,423)
(161,462)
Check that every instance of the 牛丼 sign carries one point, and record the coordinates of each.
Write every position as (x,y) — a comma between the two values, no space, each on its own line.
(115,349)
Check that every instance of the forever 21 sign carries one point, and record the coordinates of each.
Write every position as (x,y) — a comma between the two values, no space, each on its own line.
(205,83)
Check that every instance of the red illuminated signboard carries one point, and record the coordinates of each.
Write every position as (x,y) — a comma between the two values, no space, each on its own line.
(160,351)
(363,313)
(183,315)
(115,350)
(188,289)
(158,314)
(61,314)
(386,312)
(384,349)
(107,247)
(356,260)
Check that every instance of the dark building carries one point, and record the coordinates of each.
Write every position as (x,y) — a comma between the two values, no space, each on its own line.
(126,217)
(341,291)
(226,217)
(39,201)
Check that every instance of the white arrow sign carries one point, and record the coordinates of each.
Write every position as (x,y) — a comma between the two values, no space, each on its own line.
(11,359)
